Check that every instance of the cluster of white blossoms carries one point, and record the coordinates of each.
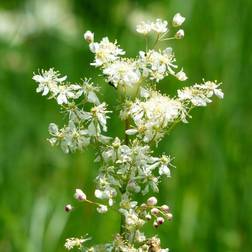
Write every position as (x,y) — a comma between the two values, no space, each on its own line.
(127,166)
(159,26)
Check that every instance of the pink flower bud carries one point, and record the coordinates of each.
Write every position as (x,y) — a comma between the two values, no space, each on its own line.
(154,211)
(80,195)
(89,36)
(180,34)
(160,220)
(152,201)
(165,208)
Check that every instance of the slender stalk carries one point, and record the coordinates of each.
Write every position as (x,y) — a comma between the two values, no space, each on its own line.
(122,224)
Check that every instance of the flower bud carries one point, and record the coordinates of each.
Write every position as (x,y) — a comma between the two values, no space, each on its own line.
(80,195)
(89,36)
(169,216)
(143,205)
(165,208)
(155,224)
(178,20)
(180,34)
(181,75)
(68,208)
(148,217)
(102,209)
(160,220)
(152,201)
(154,211)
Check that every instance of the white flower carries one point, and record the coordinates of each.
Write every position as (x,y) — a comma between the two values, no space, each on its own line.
(157,64)
(178,20)
(180,34)
(122,73)
(164,170)
(200,94)
(89,36)
(105,52)
(144,28)
(154,115)
(66,92)
(48,81)
(102,209)
(99,113)
(152,201)
(74,242)
(181,75)
(159,26)
(80,195)
(139,236)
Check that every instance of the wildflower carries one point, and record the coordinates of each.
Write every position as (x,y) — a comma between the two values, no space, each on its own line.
(74,242)
(159,26)
(178,20)
(180,34)
(66,92)
(154,115)
(89,36)
(144,28)
(157,64)
(80,195)
(124,73)
(105,52)
(200,94)
(48,81)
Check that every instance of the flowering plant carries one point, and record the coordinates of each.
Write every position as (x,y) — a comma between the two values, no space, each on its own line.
(127,166)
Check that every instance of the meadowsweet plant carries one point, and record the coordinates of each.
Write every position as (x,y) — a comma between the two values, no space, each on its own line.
(127,166)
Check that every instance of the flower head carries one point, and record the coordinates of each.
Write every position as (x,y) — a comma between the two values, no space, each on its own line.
(178,20)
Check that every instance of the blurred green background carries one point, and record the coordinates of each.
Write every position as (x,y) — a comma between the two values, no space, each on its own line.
(210,191)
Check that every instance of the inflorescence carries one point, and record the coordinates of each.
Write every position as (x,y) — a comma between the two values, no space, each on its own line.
(127,166)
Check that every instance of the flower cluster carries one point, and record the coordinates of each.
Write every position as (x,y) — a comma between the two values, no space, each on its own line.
(126,166)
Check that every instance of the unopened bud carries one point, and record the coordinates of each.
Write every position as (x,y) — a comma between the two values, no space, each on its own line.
(154,211)
(155,224)
(143,205)
(148,217)
(89,36)
(169,216)
(80,195)
(178,20)
(68,208)
(165,208)
(160,220)
(180,34)
(152,201)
